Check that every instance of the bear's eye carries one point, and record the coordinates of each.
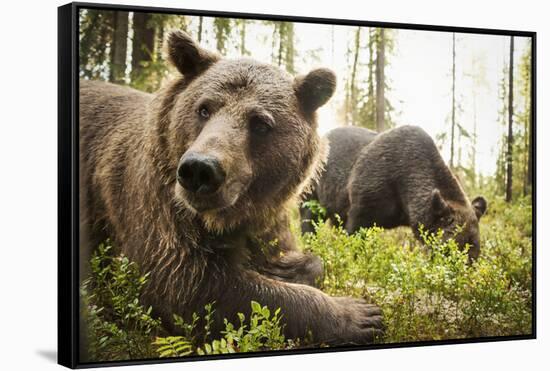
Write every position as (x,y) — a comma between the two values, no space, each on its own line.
(204,113)
(260,125)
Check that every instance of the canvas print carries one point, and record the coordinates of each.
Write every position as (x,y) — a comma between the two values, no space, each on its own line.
(254,185)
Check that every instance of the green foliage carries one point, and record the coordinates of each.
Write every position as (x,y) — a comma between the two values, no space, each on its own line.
(319,212)
(521,127)
(173,346)
(151,73)
(427,290)
(360,102)
(222,28)
(96,29)
(118,327)
(264,331)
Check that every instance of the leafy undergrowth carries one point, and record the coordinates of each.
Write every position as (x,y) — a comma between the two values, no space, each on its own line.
(118,327)
(427,291)
(263,331)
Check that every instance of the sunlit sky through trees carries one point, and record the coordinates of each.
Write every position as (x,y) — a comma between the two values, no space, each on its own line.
(418,74)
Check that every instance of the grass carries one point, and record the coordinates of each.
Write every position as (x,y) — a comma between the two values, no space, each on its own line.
(427,291)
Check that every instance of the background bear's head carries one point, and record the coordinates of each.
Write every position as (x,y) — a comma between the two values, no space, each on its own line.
(241,135)
(458,220)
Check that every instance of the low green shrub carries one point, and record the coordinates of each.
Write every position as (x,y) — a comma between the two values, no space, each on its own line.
(264,331)
(427,291)
(117,326)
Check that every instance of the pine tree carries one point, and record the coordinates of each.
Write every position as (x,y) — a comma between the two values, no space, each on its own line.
(222,30)
(289,48)
(370,103)
(199,30)
(380,81)
(526,118)
(119,47)
(242,31)
(500,175)
(283,51)
(143,44)
(453,102)
(371,107)
(510,139)
(353,90)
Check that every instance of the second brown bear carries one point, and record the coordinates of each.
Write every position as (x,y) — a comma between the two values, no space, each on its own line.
(395,178)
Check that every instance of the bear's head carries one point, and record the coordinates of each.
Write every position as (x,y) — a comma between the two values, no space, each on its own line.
(458,220)
(241,135)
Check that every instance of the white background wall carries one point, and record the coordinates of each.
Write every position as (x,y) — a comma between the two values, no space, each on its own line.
(28,181)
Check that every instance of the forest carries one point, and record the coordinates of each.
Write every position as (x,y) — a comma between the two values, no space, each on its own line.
(471,93)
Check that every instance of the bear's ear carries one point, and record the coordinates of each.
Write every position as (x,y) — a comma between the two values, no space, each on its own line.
(187,56)
(480,206)
(315,89)
(440,207)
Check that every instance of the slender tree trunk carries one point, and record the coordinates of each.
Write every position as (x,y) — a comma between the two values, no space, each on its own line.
(510,140)
(143,44)
(347,99)
(526,137)
(530,153)
(243,37)
(274,42)
(371,99)
(353,88)
(280,54)
(159,44)
(453,108)
(528,134)
(199,32)
(289,48)
(220,26)
(119,47)
(380,82)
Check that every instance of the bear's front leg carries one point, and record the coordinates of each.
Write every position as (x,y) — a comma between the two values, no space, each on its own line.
(306,311)
(294,267)
(275,254)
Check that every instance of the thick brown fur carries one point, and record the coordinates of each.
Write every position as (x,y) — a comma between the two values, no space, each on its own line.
(396,178)
(198,249)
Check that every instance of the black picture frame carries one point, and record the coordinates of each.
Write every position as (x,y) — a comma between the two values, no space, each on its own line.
(68,178)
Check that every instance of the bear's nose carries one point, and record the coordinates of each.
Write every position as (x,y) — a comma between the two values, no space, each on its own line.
(200,174)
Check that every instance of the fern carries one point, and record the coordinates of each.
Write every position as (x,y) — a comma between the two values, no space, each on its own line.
(263,332)
(173,346)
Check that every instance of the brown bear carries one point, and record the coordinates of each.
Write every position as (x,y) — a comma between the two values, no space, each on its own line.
(188,180)
(396,178)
